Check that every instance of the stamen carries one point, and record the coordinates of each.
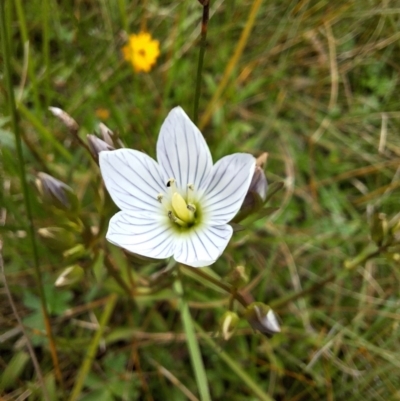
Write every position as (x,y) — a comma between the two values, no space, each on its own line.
(191,210)
(190,193)
(171,185)
(160,197)
(175,219)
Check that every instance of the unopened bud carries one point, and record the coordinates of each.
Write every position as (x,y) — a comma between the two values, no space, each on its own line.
(262,318)
(255,197)
(261,160)
(97,145)
(56,193)
(109,136)
(379,228)
(75,252)
(237,277)
(228,324)
(65,118)
(71,275)
(57,238)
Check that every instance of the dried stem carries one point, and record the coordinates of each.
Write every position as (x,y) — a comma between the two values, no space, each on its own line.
(22,328)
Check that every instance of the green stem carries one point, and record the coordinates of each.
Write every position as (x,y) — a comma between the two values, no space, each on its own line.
(46,49)
(234,366)
(24,184)
(233,292)
(91,353)
(203,42)
(193,345)
(25,40)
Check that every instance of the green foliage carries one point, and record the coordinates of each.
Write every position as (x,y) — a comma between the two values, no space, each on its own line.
(317,88)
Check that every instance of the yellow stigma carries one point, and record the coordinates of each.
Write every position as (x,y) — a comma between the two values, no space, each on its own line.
(180,208)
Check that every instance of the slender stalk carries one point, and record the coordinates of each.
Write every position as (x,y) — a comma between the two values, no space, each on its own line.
(232,63)
(91,353)
(25,38)
(234,366)
(193,345)
(46,49)
(203,42)
(233,292)
(24,184)
(22,328)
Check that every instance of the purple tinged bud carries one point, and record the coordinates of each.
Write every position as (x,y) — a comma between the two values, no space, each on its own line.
(65,118)
(257,192)
(259,183)
(56,193)
(262,318)
(97,145)
(107,134)
(109,137)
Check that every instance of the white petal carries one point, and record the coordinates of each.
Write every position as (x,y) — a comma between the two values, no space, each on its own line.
(133,179)
(230,180)
(139,234)
(203,246)
(182,151)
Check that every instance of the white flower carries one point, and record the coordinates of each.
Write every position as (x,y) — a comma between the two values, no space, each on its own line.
(181,205)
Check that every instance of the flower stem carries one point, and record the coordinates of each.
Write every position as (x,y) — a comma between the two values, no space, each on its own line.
(235,367)
(203,42)
(91,353)
(193,345)
(21,163)
(233,292)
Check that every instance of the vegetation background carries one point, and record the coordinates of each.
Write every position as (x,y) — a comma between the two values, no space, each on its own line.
(316,86)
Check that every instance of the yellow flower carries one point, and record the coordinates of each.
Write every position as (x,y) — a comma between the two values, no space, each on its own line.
(142,51)
(102,113)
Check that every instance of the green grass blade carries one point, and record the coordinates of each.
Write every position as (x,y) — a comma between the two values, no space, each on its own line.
(193,345)
(251,384)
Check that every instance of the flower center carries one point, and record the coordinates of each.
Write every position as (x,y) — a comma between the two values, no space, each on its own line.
(180,211)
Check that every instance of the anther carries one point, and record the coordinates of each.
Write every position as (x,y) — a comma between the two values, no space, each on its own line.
(172,217)
(176,220)
(191,207)
(160,197)
(190,193)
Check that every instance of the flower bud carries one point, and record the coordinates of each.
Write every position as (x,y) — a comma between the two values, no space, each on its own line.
(257,192)
(75,252)
(69,276)
(378,228)
(109,137)
(107,134)
(228,324)
(237,277)
(56,193)
(97,145)
(262,318)
(259,183)
(66,119)
(57,238)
